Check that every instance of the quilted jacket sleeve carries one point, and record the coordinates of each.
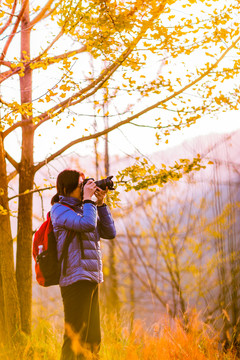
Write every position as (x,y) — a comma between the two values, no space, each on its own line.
(62,216)
(106,227)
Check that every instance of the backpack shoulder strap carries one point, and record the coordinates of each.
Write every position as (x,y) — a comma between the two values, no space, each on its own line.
(63,257)
(69,238)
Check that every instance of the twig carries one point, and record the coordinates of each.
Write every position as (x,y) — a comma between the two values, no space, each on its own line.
(31,192)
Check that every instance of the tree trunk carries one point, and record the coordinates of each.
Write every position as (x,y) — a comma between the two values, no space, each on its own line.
(26,178)
(2,318)
(24,245)
(131,285)
(10,322)
(113,283)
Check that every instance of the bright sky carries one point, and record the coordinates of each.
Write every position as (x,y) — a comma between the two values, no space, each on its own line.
(129,139)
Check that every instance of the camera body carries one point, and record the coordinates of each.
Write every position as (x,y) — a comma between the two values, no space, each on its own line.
(102,184)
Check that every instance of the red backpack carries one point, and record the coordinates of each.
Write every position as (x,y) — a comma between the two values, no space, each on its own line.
(47,265)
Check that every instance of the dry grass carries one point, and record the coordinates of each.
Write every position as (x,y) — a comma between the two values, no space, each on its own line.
(164,341)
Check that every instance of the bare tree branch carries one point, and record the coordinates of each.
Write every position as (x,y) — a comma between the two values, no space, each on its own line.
(60,34)
(5,75)
(15,126)
(7,64)
(67,54)
(12,175)
(31,192)
(12,161)
(146,284)
(50,12)
(41,14)
(4,102)
(4,52)
(8,23)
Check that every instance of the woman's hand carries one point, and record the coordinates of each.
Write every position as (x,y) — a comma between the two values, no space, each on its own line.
(89,189)
(100,195)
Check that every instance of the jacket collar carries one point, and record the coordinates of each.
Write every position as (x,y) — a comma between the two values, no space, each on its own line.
(70,200)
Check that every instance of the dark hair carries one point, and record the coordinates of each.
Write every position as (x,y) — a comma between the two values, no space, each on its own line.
(67,181)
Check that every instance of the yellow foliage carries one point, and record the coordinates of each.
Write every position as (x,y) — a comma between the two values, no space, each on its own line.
(129,38)
(8,3)
(3,211)
(36,8)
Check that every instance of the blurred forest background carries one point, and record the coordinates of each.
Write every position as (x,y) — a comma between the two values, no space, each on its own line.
(177,248)
(105,86)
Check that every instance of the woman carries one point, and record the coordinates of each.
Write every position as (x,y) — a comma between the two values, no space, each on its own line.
(74,212)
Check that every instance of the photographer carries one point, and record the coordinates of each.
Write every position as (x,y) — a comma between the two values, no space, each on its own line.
(75,212)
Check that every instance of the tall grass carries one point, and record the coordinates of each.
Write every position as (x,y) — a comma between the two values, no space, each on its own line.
(43,344)
(166,340)
(163,341)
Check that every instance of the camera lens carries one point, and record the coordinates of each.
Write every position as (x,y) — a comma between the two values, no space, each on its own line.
(102,184)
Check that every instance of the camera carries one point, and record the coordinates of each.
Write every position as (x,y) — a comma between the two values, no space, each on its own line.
(102,184)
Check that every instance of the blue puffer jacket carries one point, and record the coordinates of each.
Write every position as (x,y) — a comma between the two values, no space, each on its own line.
(92,223)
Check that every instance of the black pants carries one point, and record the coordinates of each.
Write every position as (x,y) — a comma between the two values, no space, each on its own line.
(82,322)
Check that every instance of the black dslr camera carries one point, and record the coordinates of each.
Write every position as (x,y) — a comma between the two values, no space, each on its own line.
(102,184)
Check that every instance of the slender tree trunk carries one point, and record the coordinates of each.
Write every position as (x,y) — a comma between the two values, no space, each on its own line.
(24,246)
(113,284)
(221,254)
(95,127)
(26,180)
(233,246)
(10,322)
(2,319)
(131,285)
(96,150)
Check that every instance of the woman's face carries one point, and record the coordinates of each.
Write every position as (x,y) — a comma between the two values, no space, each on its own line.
(77,193)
